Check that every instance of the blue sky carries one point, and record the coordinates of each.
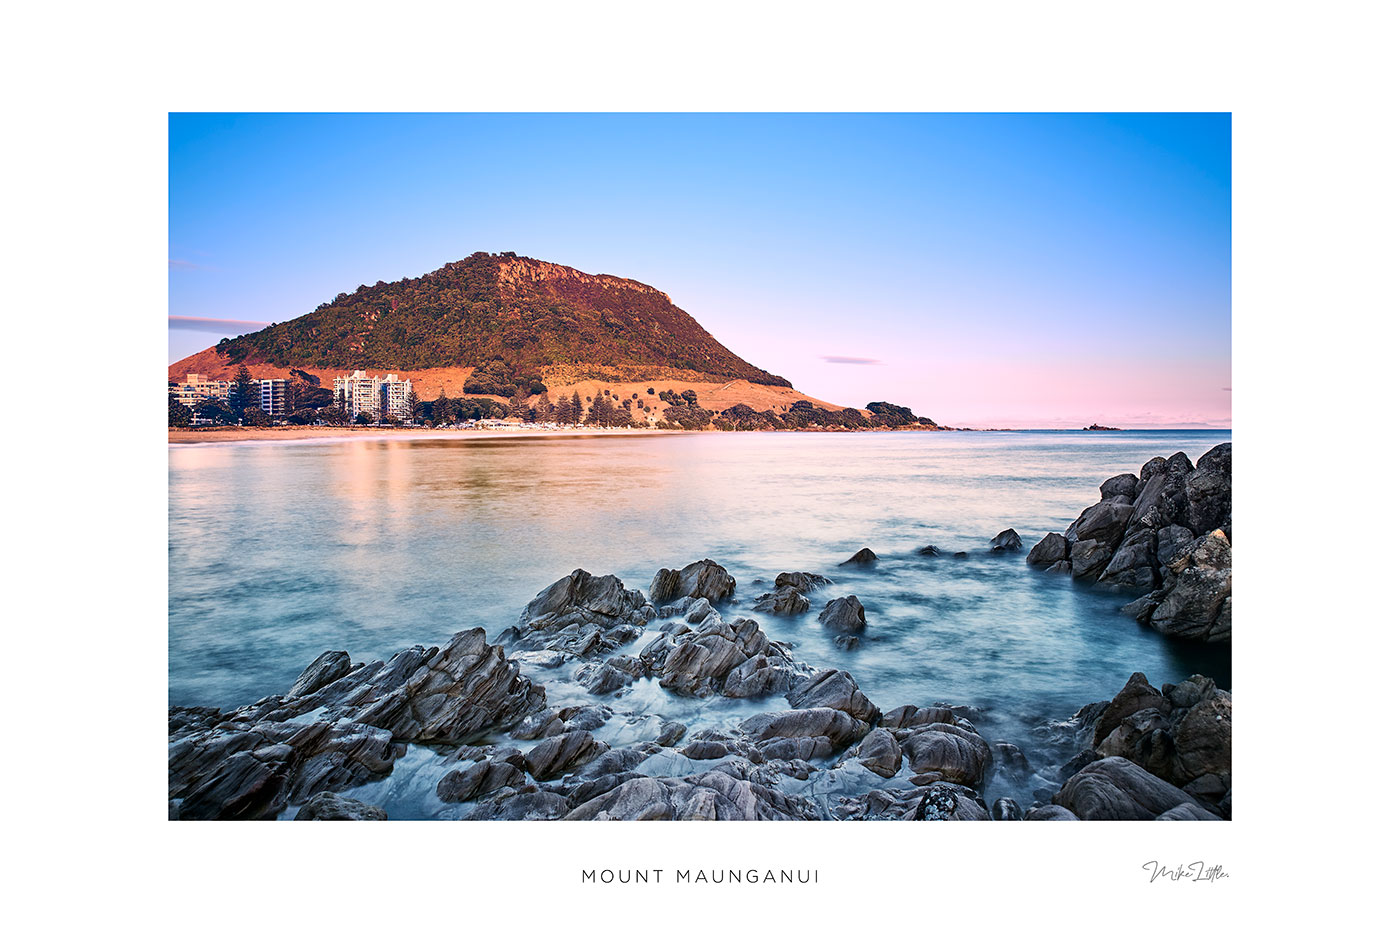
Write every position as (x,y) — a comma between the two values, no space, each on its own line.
(1009,270)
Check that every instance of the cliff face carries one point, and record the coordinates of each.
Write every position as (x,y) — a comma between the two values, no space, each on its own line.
(518,314)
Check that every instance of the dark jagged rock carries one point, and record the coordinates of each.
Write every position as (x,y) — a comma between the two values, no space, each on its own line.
(561,753)
(526,803)
(786,601)
(1137,694)
(960,555)
(928,550)
(1196,602)
(863,557)
(704,579)
(712,795)
(845,616)
(582,615)
(1007,540)
(478,780)
(1134,564)
(910,717)
(611,675)
(836,690)
(949,752)
(879,751)
(1117,789)
(800,581)
(1010,759)
(670,734)
(735,660)
(251,762)
(1004,809)
(1050,812)
(328,806)
(839,727)
(1052,549)
(939,801)
(328,668)
(1124,484)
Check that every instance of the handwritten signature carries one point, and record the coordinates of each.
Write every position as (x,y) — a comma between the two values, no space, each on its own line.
(1194,871)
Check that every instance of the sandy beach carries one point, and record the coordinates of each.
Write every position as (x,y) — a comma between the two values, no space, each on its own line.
(312,433)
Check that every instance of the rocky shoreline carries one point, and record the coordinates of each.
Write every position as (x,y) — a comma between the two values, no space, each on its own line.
(471,724)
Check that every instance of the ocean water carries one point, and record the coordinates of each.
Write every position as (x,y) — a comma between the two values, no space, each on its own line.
(279,551)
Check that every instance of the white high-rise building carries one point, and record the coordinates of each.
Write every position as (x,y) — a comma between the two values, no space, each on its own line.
(371,395)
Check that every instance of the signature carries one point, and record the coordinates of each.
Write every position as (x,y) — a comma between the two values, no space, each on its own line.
(1194,871)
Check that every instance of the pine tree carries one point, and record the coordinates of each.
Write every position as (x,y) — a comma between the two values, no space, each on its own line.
(240,394)
(576,409)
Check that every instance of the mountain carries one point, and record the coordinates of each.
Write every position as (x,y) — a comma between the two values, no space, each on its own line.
(519,316)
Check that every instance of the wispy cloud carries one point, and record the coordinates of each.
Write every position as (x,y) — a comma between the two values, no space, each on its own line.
(853,360)
(1227,389)
(215,325)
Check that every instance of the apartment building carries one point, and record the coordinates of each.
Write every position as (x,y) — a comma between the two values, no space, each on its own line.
(371,395)
(196,388)
(272,397)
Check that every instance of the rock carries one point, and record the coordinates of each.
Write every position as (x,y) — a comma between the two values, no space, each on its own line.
(864,556)
(928,550)
(703,579)
(1089,558)
(787,601)
(1171,541)
(611,675)
(328,806)
(328,668)
(1117,789)
(478,780)
(1104,522)
(1124,484)
(1076,764)
(1208,501)
(797,748)
(1011,760)
(526,803)
(1194,689)
(940,801)
(712,795)
(1137,694)
(845,616)
(836,690)
(582,615)
(1188,811)
(1050,811)
(1195,604)
(1202,740)
(1005,809)
(1154,467)
(1062,566)
(735,660)
(960,555)
(879,751)
(1007,540)
(847,642)
(840,728)
(562,753)
(1134,564)
(910,717)
(802,582)
(1144,738)
(1216,460)
(671,733)
(953,753)
(1052,549)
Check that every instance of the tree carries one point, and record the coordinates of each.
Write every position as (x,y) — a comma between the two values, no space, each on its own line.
(255,417)
(412,399)
(180,414)
(240,394)
(442,409)
(575,408)
(364,417)
(215,410)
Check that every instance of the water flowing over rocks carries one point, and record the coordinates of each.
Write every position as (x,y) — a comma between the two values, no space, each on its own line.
(1164,533)
(705,655)
(703,579)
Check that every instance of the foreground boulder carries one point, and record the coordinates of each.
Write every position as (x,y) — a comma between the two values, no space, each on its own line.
(713,795)
(786,601)
(1052,549)
(328,806)
(947,752)
(251,762)
(703,579)
(935,802)
(838,729)
(1117,789)
(1194,602)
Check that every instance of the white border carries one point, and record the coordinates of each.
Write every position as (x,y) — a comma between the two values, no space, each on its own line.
(86,173)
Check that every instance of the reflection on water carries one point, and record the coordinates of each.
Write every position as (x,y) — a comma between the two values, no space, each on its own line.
(281,551)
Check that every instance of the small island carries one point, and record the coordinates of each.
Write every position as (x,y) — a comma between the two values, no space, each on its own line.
(1098,427)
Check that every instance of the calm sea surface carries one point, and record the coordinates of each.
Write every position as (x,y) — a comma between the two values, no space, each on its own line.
(279,551)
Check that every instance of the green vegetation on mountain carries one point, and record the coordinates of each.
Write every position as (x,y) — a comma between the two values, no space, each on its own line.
(506,315)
